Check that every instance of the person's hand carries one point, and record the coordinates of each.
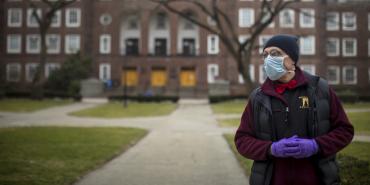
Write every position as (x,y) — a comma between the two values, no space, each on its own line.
(307,148)
(287,147)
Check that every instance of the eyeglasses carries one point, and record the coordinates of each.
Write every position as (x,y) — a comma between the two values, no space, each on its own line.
(273,53)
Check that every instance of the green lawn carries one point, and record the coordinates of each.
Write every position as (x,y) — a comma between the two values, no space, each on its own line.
(360,105)
(359,150)
(229,122)
(58,155)
(361,122)
(28,105)
(116,110)
(229,107)
(244,162)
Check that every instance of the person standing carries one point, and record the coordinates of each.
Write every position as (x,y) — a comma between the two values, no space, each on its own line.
(294,124)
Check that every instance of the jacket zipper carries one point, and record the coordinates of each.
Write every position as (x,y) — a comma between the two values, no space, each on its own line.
(286,114)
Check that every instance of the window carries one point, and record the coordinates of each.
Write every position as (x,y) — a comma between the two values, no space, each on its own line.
(211,21)
(14,44)
(349,21)
(262,72)
(31,19)
(368,21)
(246,17)
(266,15)
(73,17)
(307,18)
(332,47)
(72,44)
(132,46)
(262,41)
(56,21)
(333,75)
(53,43)
(308,68)
(213,44)
(332,21)
(133,23)
(349,75)
(307,45)
(104,72)
(105,19)
(188,25)
(212,72)
(14,17)
(243,38)
(33,44)
(160,46)
(161,21)
(368,47)
(13,72)
(188,46)
(286,18)
(349,47)
(31,71)
(50,68)
(105,44)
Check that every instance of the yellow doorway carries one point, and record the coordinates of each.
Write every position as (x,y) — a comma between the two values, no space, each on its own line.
(187,78)
(158,78)
(129,77)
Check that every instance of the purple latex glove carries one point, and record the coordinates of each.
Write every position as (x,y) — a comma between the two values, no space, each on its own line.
(307,148)
(287,147)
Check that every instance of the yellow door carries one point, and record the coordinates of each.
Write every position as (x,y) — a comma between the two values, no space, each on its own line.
(187,78)
(129,77)
(158,78)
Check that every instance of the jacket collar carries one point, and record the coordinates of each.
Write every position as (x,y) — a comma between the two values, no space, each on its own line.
(268,86)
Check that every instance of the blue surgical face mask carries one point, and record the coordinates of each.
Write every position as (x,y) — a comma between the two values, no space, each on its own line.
(274,67)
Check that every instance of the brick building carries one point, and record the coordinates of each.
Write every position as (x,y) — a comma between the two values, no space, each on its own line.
(152,50)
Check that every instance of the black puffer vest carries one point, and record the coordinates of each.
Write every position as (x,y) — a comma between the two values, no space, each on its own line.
(317,124)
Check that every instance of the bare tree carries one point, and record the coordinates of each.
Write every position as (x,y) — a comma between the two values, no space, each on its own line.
(44,22)
(225,28)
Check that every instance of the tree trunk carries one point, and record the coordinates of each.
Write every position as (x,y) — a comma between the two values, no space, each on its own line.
(39,78)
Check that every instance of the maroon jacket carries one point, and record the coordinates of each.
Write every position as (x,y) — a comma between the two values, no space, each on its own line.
(289,170)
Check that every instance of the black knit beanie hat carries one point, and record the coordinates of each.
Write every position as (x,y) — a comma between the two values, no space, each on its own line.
(287,43)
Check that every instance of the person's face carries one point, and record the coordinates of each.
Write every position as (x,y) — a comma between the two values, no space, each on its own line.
(277,52)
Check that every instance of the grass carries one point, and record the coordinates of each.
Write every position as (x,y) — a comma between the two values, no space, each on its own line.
(360,150)
(229,107)
(58,155)
(361,122)
(28,105)
(229,122)
(360,105)
(116,110)
(244,162)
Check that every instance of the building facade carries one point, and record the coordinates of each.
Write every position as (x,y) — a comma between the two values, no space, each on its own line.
(152,51)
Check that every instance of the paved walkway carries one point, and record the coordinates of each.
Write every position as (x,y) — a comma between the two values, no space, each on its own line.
(184,148)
